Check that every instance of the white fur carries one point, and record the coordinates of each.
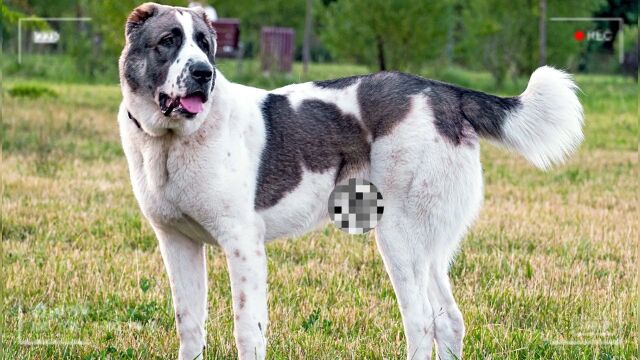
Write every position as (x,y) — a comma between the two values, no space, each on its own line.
(185,263)
(196,185)
(295,214)
(199,187)
(345,99)
(549,126)
(432,192)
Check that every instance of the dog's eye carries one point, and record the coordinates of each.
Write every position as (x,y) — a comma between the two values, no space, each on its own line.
(166,40)
(202,40)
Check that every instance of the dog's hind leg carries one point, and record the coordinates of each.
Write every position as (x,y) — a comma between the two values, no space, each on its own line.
(417,249)
(409,275)
(432,191)
(184,261)
(449,324)
(418,236)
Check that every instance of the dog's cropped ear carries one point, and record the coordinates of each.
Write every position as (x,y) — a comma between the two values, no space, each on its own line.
(139,15)
(212,31)
(203,14)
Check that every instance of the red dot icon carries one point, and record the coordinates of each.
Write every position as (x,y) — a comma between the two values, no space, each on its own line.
(579,35)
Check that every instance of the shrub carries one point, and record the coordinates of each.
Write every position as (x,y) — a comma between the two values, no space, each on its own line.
(31,91)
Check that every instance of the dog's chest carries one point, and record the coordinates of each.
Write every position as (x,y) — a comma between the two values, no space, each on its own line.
(176,181)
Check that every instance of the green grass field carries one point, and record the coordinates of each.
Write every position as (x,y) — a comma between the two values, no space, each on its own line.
(549,271)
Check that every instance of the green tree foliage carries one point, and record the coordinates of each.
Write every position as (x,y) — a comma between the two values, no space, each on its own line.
(503,38)
(397,34)
(625,9)
(9,22)
(8,17)
(630,38)
(631,47)
(495,35)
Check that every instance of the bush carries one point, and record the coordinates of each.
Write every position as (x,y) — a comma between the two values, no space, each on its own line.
(31,91)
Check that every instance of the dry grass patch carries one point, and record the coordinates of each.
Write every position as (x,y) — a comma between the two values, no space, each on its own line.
(548,271)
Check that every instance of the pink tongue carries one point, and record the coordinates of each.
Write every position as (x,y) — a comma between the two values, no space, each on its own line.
(192,104)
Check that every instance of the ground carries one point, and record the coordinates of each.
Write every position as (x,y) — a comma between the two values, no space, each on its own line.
(548,271)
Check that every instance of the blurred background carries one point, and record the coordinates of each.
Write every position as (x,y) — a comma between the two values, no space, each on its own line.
(506,39)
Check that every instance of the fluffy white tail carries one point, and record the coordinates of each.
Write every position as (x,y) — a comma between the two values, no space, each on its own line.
(547,128)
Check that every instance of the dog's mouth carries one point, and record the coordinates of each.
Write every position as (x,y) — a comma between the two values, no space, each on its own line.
(189,105)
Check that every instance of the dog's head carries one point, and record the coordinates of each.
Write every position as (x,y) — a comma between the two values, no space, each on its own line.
(167,67)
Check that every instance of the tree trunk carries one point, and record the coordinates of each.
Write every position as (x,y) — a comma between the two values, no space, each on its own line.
(542,28)
(382,66)
(306,45)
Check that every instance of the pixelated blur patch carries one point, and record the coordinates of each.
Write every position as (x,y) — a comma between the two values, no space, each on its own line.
(356,206)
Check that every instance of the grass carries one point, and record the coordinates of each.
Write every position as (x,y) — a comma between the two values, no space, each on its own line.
(549,271)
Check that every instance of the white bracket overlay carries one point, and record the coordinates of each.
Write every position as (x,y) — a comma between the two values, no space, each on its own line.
(41,19)
(606,19)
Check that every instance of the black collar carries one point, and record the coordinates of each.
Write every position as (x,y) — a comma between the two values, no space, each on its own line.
(134,120)
(169,131)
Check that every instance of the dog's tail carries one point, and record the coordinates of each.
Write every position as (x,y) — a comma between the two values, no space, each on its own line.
(544,123)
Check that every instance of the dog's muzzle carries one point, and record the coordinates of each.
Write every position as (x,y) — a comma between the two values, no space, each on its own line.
(199,82)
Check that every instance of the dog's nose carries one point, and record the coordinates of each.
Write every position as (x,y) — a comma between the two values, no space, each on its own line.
(201,72)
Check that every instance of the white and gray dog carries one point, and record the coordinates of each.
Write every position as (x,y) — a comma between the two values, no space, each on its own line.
(213,162)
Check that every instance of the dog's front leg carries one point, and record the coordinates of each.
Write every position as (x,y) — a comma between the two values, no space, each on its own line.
(184,260)
(247,262)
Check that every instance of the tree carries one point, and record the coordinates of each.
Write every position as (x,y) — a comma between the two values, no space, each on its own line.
(631,48)
(502,39)
(542,31)
(625,9)
(308,30)
(387,34)
(9,22)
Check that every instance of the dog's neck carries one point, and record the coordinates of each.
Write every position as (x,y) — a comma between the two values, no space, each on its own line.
(220,96)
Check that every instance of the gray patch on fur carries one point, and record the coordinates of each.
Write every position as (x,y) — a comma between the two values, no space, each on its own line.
(144,67)
(316,135)
(460,114)
(338,83)
(487,112)
(320,137)
(184,74)
(385,99)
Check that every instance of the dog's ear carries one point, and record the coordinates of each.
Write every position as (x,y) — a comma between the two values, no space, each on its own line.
(203,14)
(139,15)
(200,11)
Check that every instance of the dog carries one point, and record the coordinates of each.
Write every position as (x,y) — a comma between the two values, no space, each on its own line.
(214,162)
